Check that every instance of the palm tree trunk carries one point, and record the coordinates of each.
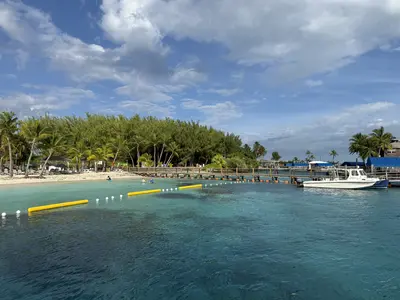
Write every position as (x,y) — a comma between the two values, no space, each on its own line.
(45,164)
(138,155)
(133,162)
(1,165)
(115,157)
(11,170)
(170,158)
(165,158)
(162,151)
(155,158)
(29,159)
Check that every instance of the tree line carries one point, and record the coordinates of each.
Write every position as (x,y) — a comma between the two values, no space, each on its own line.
(118,140)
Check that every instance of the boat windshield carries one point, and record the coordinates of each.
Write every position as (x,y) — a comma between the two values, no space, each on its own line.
(362,173)
(343,174)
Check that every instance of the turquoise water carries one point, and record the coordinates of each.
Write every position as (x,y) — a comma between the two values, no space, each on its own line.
(235,241)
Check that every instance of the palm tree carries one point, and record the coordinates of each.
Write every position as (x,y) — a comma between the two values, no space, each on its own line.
(146,160)
(309,156)
(357,142)
(52,144)
(333,153)
(295,159)
(33,131)
(362,145)
(8,129)
(219,162)
(259,150)
(77,153)
(276,156)
(382,140)
(104,153)
(172,148)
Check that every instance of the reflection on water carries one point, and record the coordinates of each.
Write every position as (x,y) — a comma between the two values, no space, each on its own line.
(343,193)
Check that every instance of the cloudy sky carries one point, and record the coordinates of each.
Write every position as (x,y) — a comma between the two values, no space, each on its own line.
(295,75)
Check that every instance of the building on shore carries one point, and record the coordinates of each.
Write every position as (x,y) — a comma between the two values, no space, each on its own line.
(395,151)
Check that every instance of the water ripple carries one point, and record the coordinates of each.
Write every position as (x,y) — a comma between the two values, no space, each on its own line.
(237,242)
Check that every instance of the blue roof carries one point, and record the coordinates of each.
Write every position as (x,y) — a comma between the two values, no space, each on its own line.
(353,163)
(383,162)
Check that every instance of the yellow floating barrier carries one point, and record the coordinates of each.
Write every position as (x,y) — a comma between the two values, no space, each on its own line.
(57,205)
(144,192)
(186,187)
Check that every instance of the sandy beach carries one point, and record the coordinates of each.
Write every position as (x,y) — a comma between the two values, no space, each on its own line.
(20,179)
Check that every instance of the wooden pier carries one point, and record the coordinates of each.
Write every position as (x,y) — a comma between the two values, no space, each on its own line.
(283,175)
(259,174)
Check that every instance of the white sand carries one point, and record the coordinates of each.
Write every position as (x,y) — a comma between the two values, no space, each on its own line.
(20,179)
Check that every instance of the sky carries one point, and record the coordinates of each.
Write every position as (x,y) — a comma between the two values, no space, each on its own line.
(294,75)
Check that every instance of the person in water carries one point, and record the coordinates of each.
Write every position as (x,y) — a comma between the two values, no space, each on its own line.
(108,178)
(151,180)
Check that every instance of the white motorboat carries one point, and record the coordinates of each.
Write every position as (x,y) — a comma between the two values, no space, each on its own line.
(353,179)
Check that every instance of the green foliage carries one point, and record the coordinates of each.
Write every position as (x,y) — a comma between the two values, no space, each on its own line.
(114,139)
(275,156)
(309,156)
(219,161)
(372,145)
(334,154)
(146,160)
(259,150)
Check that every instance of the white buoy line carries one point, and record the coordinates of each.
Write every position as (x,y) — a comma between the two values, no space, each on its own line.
(18,212)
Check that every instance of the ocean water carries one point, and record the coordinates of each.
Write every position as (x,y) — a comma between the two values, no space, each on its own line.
(235,241)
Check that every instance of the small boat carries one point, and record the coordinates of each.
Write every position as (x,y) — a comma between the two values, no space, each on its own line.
(351,178)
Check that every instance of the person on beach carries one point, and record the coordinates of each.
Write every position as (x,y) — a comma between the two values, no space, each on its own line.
(108,178)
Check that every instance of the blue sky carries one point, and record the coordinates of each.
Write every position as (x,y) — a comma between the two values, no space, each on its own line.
(295,75)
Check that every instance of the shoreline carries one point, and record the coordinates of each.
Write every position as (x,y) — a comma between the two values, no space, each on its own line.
(68,178)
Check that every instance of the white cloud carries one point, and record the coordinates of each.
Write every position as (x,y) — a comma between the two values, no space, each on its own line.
(293,38)
(40,99)
(137,64)
(126,22)
(223,92)
(321,134)
(313,83)
(218,114)
(147,108)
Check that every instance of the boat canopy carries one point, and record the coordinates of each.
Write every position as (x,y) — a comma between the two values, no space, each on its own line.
(352,164)
(320,163)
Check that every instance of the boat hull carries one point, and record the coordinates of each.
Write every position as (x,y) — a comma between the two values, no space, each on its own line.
(345,184)
(381,184)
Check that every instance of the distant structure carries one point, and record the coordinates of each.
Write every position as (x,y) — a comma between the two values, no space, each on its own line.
(269,163)
(395,151)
